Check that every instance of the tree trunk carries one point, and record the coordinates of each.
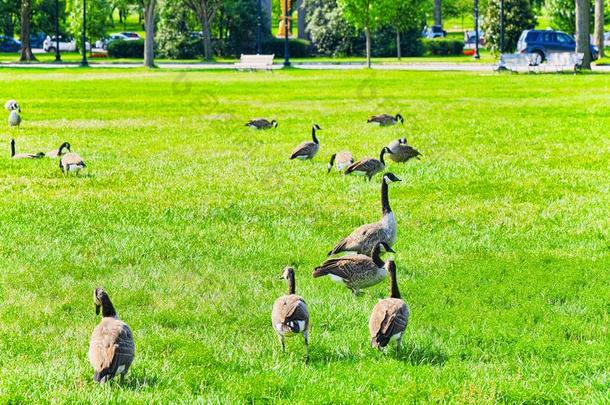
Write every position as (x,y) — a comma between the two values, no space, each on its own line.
(149,41)
(206,35)
(582,31)
(367,34)
(302,12)
(437,13)
(398,51)
(599,26)
(26,49)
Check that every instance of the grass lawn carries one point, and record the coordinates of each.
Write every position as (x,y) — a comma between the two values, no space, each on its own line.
(187,218)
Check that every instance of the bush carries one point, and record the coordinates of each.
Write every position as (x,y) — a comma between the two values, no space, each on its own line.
(384,43)
(518,16)
(126,49)
(444,47)
(330,33)
(298,48)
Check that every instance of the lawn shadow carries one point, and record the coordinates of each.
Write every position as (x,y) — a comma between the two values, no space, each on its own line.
(136,382)
(418,355)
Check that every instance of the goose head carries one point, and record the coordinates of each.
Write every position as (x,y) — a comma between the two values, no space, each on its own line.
(402,141)
(390,178)
(384,247)
(314,128)
(98,295)
(287,273)
(65,145)
(274,123)
(12,105)
(399,118)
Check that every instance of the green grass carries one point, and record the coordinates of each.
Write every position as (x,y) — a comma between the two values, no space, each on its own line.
(187,218)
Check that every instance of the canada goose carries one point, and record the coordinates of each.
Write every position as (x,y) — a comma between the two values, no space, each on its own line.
(341,160)
(364,238)
(402,152)
(390,316)
(369,166)
(24,155)
(14,119)
(307,150)
(290,315)
(71,162)
(111,349)
(385,120)
(59,151)
(356,271)
(261,123)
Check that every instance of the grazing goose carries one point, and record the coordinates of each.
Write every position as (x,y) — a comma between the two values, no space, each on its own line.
(390,316)
(307,150)
(59,151)
(261,123)
(111,349)
(385,120)
(341,160)
(290,315)
(71,162)
(356,271)
(402,152)
(24,155)
(364,238)
(369,166)
(14,119)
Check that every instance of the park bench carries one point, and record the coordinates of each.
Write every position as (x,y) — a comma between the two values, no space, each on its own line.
(560,61)
(254,62)
(515,61)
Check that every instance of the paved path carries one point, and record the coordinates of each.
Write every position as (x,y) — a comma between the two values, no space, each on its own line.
(432,67)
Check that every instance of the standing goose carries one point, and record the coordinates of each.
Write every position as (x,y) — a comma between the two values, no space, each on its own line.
(369,166)
(261,123)
(364,238)
(59,151)
(290,315)
(385,120)
(390,316)
(341,160)
(307,150)
(71,162)
(24,155)
(111,350)
(356,271)
(14,119)
(402,152)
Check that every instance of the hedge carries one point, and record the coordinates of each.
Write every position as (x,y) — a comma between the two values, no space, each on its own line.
(444,46)
(298,48)
(126,49)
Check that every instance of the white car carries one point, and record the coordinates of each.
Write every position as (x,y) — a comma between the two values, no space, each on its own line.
(607,39)
(65,45)
(103,43)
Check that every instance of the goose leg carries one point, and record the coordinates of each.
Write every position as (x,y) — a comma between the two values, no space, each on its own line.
(282,343)
(398,346)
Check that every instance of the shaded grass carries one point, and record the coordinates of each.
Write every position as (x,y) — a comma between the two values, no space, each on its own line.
(186,217)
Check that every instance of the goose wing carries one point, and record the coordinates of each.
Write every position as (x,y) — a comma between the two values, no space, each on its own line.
(389,317)
(290,314)
(408,152)
(346,267)
(304,149)
(111,349)
(72,159)
(380,118)
(259,123)
(364,165)
(361,240)
(344,157)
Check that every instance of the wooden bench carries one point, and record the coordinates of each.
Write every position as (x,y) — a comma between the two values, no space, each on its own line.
(255,62)
(560,61)
(515,61)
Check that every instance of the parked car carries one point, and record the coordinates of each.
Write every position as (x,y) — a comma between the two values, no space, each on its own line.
(65,45)
(104,42)
(470,38)
(607,39)
(8,44)
(436,31)
(37,40)
(130,36)
(544,42)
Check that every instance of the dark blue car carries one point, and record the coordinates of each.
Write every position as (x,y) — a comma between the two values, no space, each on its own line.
(8,44)
(544,42)
(37,40)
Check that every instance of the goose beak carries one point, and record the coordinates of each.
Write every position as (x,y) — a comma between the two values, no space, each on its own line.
(390,250)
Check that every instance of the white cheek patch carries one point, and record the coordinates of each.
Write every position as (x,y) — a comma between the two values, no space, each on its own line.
(301,325)
(386,179)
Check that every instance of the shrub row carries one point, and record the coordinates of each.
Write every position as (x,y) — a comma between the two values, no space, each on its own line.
(443,46)
(298,48)
(126,49)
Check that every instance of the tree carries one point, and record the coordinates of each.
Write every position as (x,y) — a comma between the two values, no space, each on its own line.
(149,27)
(205,11)
(438,17)
(599,26)
(402,16)
(328,29)
(26,15)
(518,16)
(10,11)
(583,29)
(98,12)
(362,15)
(563,16)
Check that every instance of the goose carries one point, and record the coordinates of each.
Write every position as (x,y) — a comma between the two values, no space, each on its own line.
(341,160)
(24,155)
(402,152)
(71,162)
(307,150)
(390,316)
(369,166)
(290,316)
(364,238)
(59,151)
(261,123)
(14,119)
(356,271)
(385,120)
(111,350)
